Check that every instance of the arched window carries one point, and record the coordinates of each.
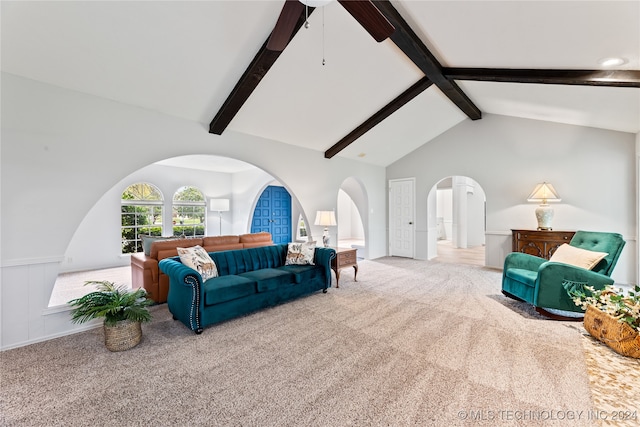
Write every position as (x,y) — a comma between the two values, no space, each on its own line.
(141,213)
(189,212)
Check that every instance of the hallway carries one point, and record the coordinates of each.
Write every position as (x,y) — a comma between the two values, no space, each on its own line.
(471,256)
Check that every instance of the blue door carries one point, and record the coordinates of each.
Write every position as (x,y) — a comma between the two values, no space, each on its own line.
(273,214)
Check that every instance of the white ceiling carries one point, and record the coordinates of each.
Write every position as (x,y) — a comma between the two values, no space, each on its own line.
(208,163)
(183,58)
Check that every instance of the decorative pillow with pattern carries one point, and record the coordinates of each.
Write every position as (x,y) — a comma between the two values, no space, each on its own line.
(300,253)
(197,258)
(568,254)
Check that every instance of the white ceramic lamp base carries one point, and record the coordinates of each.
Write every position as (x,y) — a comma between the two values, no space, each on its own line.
(325,238)
(544,215)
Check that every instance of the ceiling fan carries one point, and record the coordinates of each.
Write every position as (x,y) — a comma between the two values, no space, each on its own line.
(364,11)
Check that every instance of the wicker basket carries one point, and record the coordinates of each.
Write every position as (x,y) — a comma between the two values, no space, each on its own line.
(620,337)
(124,335)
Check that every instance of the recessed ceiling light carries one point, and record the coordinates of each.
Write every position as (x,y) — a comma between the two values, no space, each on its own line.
(612,62)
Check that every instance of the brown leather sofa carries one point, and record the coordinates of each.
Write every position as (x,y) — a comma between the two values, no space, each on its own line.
(144,268)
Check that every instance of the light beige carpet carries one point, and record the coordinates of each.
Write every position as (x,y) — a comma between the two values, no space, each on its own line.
(411,343)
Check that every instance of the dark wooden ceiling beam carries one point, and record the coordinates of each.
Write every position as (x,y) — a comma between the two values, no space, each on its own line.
(443,77)
(615,78)
(416,89)
(408,41)
(258,68)
(252,76)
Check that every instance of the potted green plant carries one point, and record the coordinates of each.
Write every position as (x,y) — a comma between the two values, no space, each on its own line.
(123,311)
(612,317)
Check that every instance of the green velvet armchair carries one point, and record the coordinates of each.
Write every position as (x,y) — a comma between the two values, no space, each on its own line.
(546,284)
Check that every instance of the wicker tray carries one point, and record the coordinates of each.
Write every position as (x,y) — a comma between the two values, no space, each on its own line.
(620,337)
(123,336)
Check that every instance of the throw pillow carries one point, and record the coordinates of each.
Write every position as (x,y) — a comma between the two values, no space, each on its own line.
(197,258)
(300,253)
(568,254)
(148,240)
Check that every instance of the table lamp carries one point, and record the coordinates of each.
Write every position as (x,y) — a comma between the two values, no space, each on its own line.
(326,219)
(544,193)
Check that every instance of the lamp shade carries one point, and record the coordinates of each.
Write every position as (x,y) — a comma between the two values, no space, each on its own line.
(220,205)
(544,193)
(326,218)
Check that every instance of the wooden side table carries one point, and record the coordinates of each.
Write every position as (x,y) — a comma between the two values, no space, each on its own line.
(541,243)
(345,257)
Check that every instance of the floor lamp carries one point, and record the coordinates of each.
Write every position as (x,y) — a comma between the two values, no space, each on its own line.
(220,205)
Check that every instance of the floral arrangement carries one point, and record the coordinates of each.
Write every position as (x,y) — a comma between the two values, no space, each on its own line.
(625,308)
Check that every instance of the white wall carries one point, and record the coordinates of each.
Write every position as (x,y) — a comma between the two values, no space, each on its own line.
(475,214)
(444,208)
(361,214)
(349,222)
(101,224)
(62,151)
(246,188)
(592,169)
(463,200)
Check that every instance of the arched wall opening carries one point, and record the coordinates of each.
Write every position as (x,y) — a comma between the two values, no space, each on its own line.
(95,250)
(352,216)
(457,220)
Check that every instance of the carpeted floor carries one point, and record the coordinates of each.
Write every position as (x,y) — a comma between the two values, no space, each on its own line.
(412,343)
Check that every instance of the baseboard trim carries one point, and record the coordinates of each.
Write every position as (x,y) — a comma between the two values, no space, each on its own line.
(84,328)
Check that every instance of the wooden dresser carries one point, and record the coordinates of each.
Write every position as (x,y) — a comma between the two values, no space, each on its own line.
(541,243)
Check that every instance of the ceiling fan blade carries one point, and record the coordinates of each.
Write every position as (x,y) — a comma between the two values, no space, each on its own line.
(285,26)
(368,15)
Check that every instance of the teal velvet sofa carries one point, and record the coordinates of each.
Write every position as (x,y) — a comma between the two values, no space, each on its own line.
(248,280)
(546,284)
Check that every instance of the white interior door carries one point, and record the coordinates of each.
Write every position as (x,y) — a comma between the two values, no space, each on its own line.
(401,217)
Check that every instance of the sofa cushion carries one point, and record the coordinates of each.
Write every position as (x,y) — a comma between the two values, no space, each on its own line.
(268,279)
(578,257)
(198,259)
(221,243)
(226,288)
(300,253)
(162,249)
(242,261)
(220,240)
(302,273)
(218,248)
(254,240)
(527,277)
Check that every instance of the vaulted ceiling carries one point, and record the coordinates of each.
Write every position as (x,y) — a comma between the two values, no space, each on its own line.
(185,59)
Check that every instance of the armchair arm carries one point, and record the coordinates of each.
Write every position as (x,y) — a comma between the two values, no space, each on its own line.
(522,260)
(142,262)
(323,257)
(185,299)
(144,274)
(550,291)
